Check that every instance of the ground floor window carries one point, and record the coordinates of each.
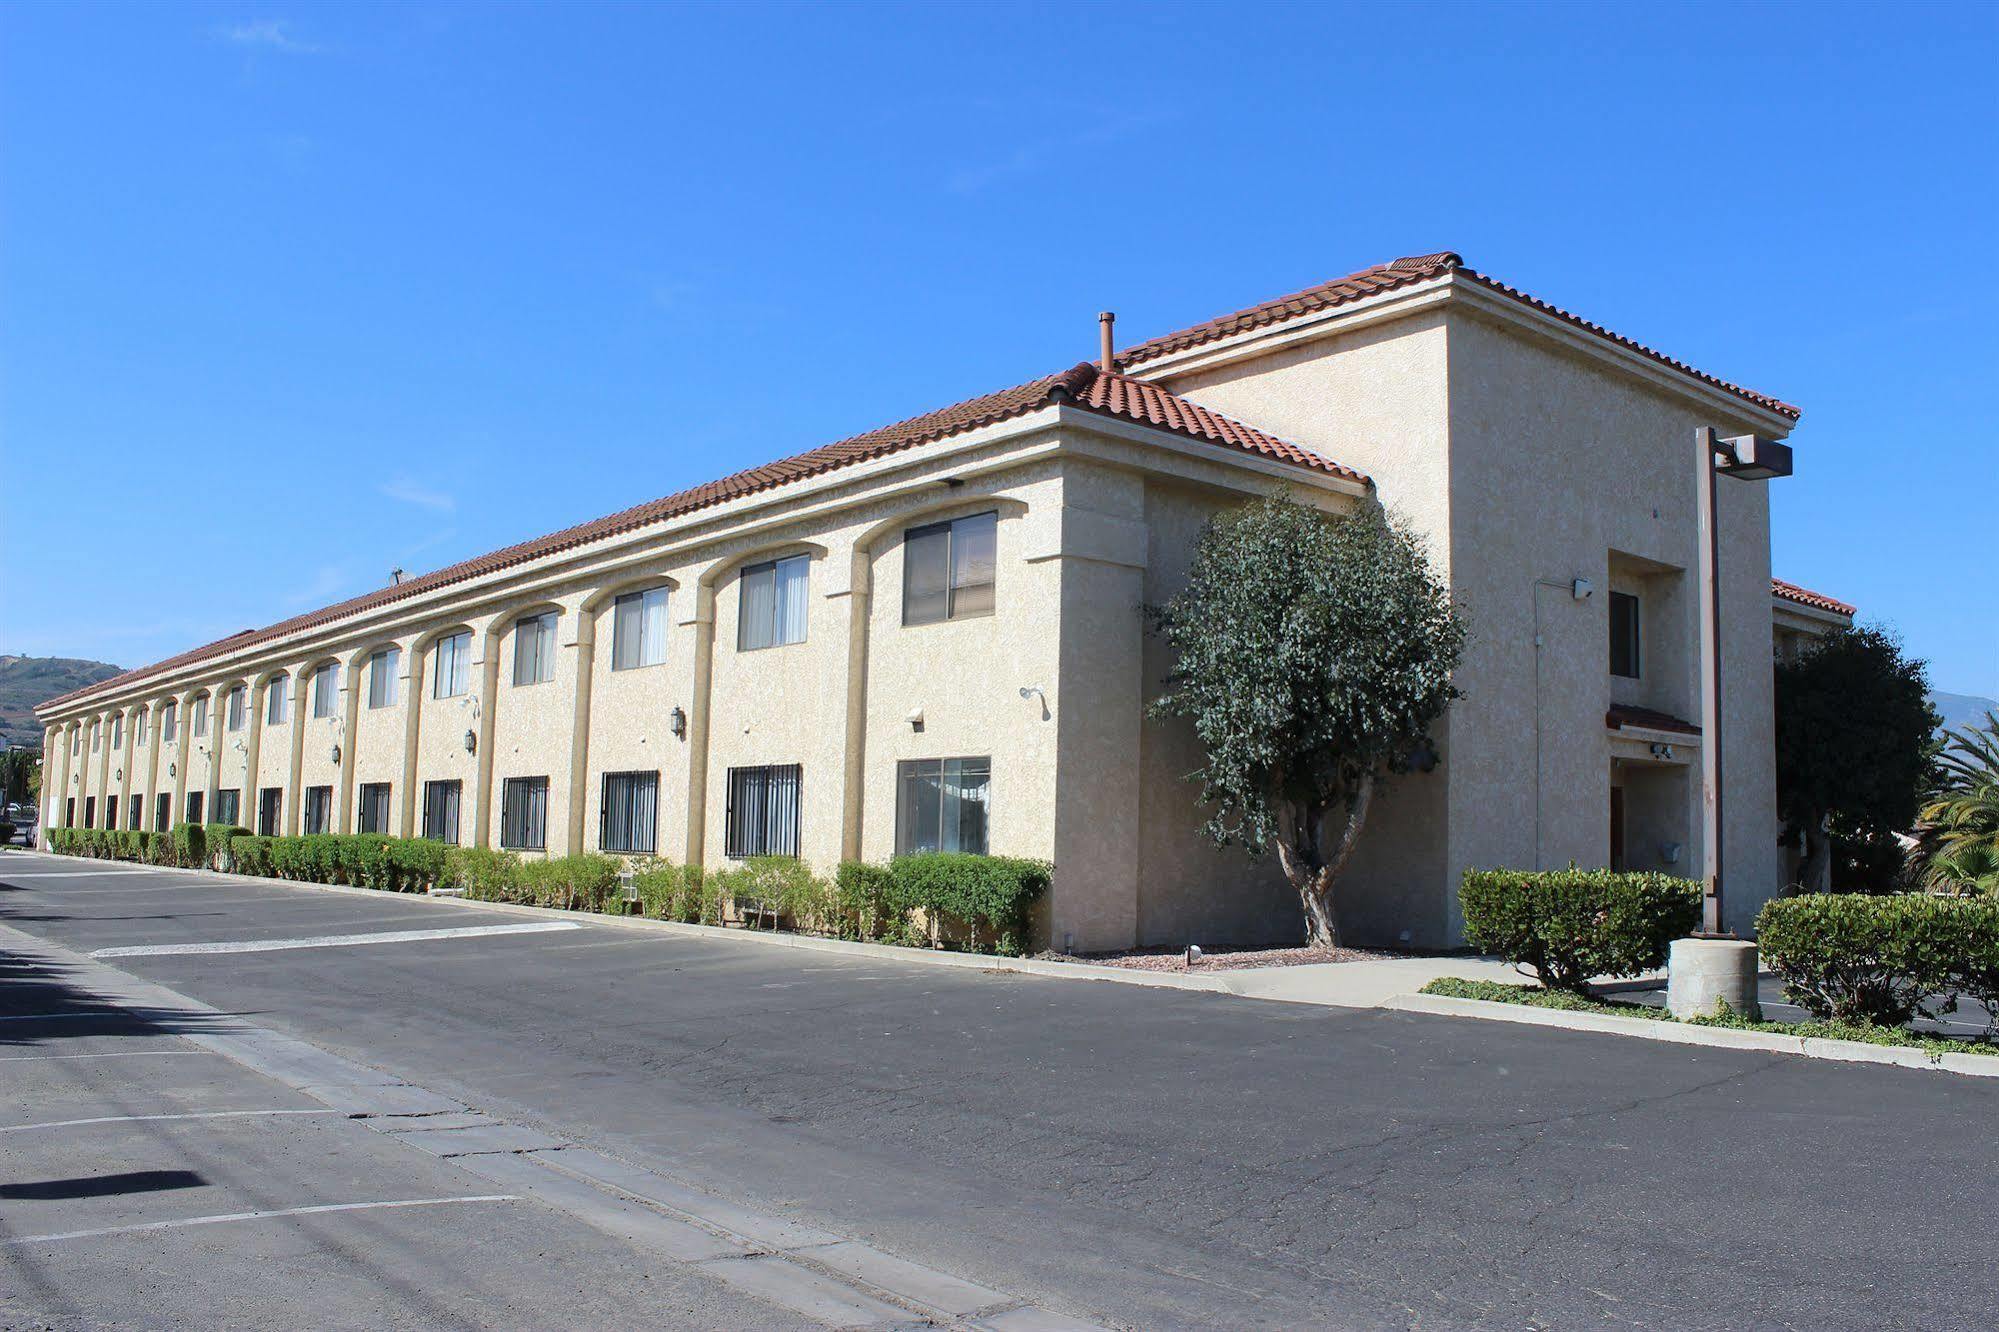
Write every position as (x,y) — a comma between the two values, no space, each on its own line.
(943,805)
(90,811)
(318,808)
(374,810)
(163,811)
(763,811)
(69,812)
(137,820)
(440,811)
(270,801)
(194,807)
(524,813)
(111,811)
(228,806)
(630,819)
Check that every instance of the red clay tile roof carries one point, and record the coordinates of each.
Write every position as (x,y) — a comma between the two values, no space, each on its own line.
(1622,715)
(1080,386)
(1806,597)
(1389,277)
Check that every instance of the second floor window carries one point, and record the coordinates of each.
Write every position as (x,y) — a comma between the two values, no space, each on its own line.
(638,629)
(118,731)
(325,690)
(238,713)
(534,649)
(454,666)
(139,727)
(96,736)
(200,718)
(277,700)
(169,722)
(1625,659)
(773,609)
(383,663)
(947,569)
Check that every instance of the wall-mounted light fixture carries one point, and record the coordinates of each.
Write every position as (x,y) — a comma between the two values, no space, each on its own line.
(471,742)
(676,721)
(1660,751)
(173,770)
(915,719)
(1036,691)
(334,754)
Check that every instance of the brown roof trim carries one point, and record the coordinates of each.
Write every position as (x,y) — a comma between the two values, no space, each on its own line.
(1392,276)
(1784,591)
(1622,715)
(1080,386)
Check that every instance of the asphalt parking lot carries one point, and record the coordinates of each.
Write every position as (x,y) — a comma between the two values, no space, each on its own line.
(1069,1151)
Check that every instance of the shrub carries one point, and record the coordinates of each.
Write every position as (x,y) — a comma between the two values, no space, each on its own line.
(415,864)
(218,836)
(990,896)
(668,891)
(867,904)
(780,888)
(1850,957)
(483,873)
(571,883)
(190,845)
(6,832)
(1572,924)
(254,855)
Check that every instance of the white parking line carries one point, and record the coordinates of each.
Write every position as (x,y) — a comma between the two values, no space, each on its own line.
(113,1054)
(258,1216)
(134,1119)
(66,874)
(334,940)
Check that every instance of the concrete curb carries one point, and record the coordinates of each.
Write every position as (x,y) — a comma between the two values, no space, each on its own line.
(1680,1033)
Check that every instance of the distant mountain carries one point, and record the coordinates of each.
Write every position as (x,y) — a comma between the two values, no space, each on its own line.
(1962,710)
(26,681)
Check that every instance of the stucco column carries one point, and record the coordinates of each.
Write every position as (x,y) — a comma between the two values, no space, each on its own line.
(183,744)
(579,726)
(295,770)
(697,723)
(350,734)
(412,722)
(218,714)
(253,789)
(152,766)
(860,607)
(489,687)
(104,792)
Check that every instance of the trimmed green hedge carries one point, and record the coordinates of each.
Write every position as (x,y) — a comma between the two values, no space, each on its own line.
(1572,924)
(1858,957)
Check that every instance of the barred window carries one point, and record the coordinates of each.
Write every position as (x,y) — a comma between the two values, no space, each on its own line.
(763,811)
(194,807)
(440,811)
(524,813)
(163,811)
(270,801)
(373,813)
(138,815)
(90,811)
(630,818)
(318,809)
(383,663)
(228,806)
(534,649)
(110,811)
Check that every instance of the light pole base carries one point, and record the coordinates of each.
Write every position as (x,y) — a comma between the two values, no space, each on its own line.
(1702,974)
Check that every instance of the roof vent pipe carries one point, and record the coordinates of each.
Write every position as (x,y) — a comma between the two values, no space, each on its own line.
(1106,321)
(395,577)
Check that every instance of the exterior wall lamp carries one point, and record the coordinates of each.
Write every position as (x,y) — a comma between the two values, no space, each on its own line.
(334,754)
(676,721)
(471,741)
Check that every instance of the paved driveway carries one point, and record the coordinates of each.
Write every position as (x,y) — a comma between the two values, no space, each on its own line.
(1132,1157)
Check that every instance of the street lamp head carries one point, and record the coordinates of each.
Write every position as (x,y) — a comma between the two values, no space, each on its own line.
(1754,458)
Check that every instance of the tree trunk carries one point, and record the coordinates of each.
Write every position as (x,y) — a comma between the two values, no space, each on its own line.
(1815,874)
(1311,872)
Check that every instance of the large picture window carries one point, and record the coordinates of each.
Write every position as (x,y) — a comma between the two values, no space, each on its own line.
(948,569)
(1625,659)
(943,805)
(774,605)
(318,809)
(383,664)
(372,815)
(763,811)
(638,629)
(440,811)
(524,813)
(630,818)
(534,649)
(453,675)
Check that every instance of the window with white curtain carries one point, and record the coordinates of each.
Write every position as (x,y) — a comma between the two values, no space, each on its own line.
(383,664)
(200,716)
(763,811)
(326,689)
(318,809)
(228,806)
(372,814)
(524,814)
(534,649)
(638,629)
(629,822)
(773,607)
(453,675)
(169,721)
(238,712)
(943,805)
(277,700)
(948,569)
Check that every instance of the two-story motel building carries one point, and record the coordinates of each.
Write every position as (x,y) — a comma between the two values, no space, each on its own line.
(930,635)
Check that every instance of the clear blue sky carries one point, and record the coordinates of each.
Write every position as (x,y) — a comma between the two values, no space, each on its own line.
(296,293)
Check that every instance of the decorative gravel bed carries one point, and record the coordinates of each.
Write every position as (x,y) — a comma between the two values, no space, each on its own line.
(1160,959)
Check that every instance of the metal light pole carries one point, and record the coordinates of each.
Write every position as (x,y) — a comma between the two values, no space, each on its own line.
(1748,458)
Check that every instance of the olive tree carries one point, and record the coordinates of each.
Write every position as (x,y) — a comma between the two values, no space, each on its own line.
(1314,652)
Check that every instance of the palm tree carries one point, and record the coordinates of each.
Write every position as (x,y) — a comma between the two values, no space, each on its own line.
(1963,810)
